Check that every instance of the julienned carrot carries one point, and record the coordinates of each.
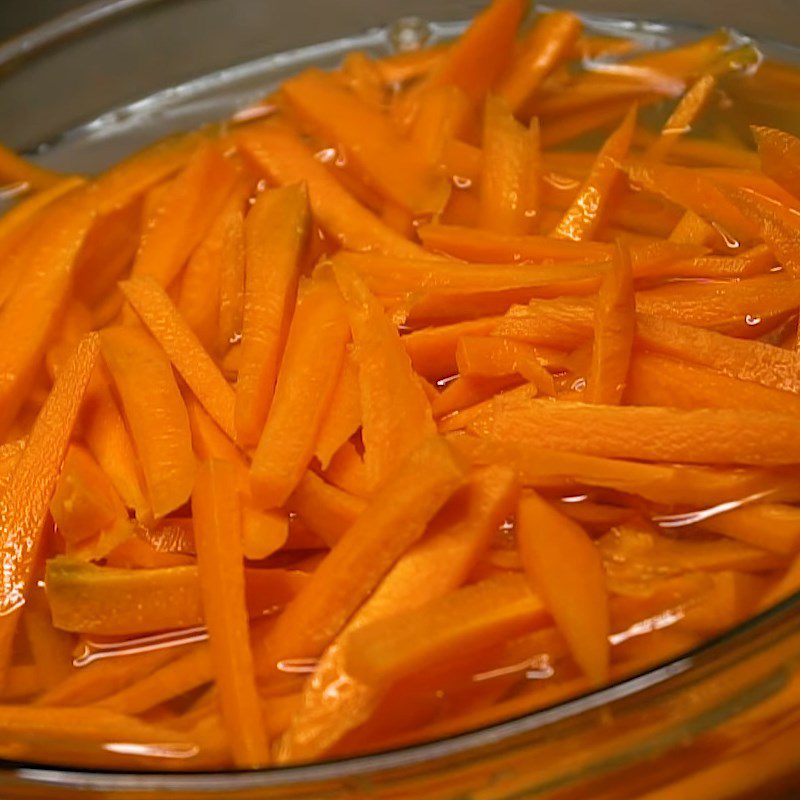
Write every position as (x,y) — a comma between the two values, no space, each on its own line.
(429,570)
(582,219)
(28,316)
(443,115)
(395,413)
(693,229)
(509,185)
(615,322)
(493,356)
(369,141)
(577,596)
(757,260)
(772,526)
(184,215)
(683,117)
(466,391)
(473,618)
(343,415)
(155,413)
(349,471)
(704,436)
(364,78)
(24,502)
(232,267)
(547,44)
(279,153)
(312,362)
(780,157)
(394,519)
(327,510)
(276,229)
(657,380)
(218,520)
(15,169)
(184,350)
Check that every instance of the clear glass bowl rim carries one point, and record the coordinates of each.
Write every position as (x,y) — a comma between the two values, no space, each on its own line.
(61,29)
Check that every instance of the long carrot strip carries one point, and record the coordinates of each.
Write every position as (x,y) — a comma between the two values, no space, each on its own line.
(284,158)
(217,516)
(576,597)
(779,153)
(155,413)
(312,361)
(771,526)
(394,519)
(583,217)
(442,116)
(615,322)
(16,169)
(24,502)
(704,436)
(276,228)
(343,416)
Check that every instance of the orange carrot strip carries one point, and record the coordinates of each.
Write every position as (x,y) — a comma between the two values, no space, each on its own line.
(483,52)
(16,169)
(311,365)
(396,415)
(547,44)
(442,116)
(395,518)
(704,436)
(369,141)
(780,157)
(108,601)
(466,391)
(576,594)
(583,217)
(362,76)
(218,519)
(183,349)
(755,261)
(615,321)
(24,502)
(555,132)
(343,415)
(509,186)
(473,618)
(406,66)
(279,154)
(155,413)
(771,526)
(493,356)
(683,117)
(348,471)
(657,380)
(276,228)
(51,649)
(28,317)
(327,510)
(693,229)
(488,246)
(184,214)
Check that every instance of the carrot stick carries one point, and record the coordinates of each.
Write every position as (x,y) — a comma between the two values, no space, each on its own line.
(370,143)
(183,349)
(683,117)
(395,518)
(615,322)
(546,45)
(582,219)
(407,66)
(16,169)
(311,364)
(466,391)
(693,229)
(184,215)
(27,318)
(395,412)
(343,415)
(51,648)
(704,436)
(349,472)
(217,514)
(442,116)
(576,597)
(327,510)
(155,413)
(24,503)
(780,157)
(509,186)
(771,526)
(558,131)
(279,154)
(276,229)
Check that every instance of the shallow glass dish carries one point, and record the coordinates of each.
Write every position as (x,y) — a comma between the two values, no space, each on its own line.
(720,722)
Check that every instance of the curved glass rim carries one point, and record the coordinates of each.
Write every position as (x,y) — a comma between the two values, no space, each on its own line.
(26,46)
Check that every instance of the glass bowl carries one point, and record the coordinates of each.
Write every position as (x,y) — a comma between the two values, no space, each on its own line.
(720,722)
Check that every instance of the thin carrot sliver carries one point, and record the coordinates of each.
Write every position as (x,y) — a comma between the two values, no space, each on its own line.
(16,169)
(780,157)
(343,415)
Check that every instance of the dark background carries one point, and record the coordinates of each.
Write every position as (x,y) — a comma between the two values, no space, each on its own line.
(18,15)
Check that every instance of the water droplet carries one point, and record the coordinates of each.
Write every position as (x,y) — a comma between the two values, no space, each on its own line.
(408,34)
(326,156)
(235,338)
(734,244)
(461,183)
(579,385)
(752,321)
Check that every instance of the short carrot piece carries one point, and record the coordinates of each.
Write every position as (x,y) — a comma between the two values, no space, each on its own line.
(780,157)
(155,413)
(217,515)
(576,594)
(24,502)
(276,231)
(311,365)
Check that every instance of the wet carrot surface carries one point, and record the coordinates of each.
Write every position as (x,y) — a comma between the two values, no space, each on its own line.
(318,430)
